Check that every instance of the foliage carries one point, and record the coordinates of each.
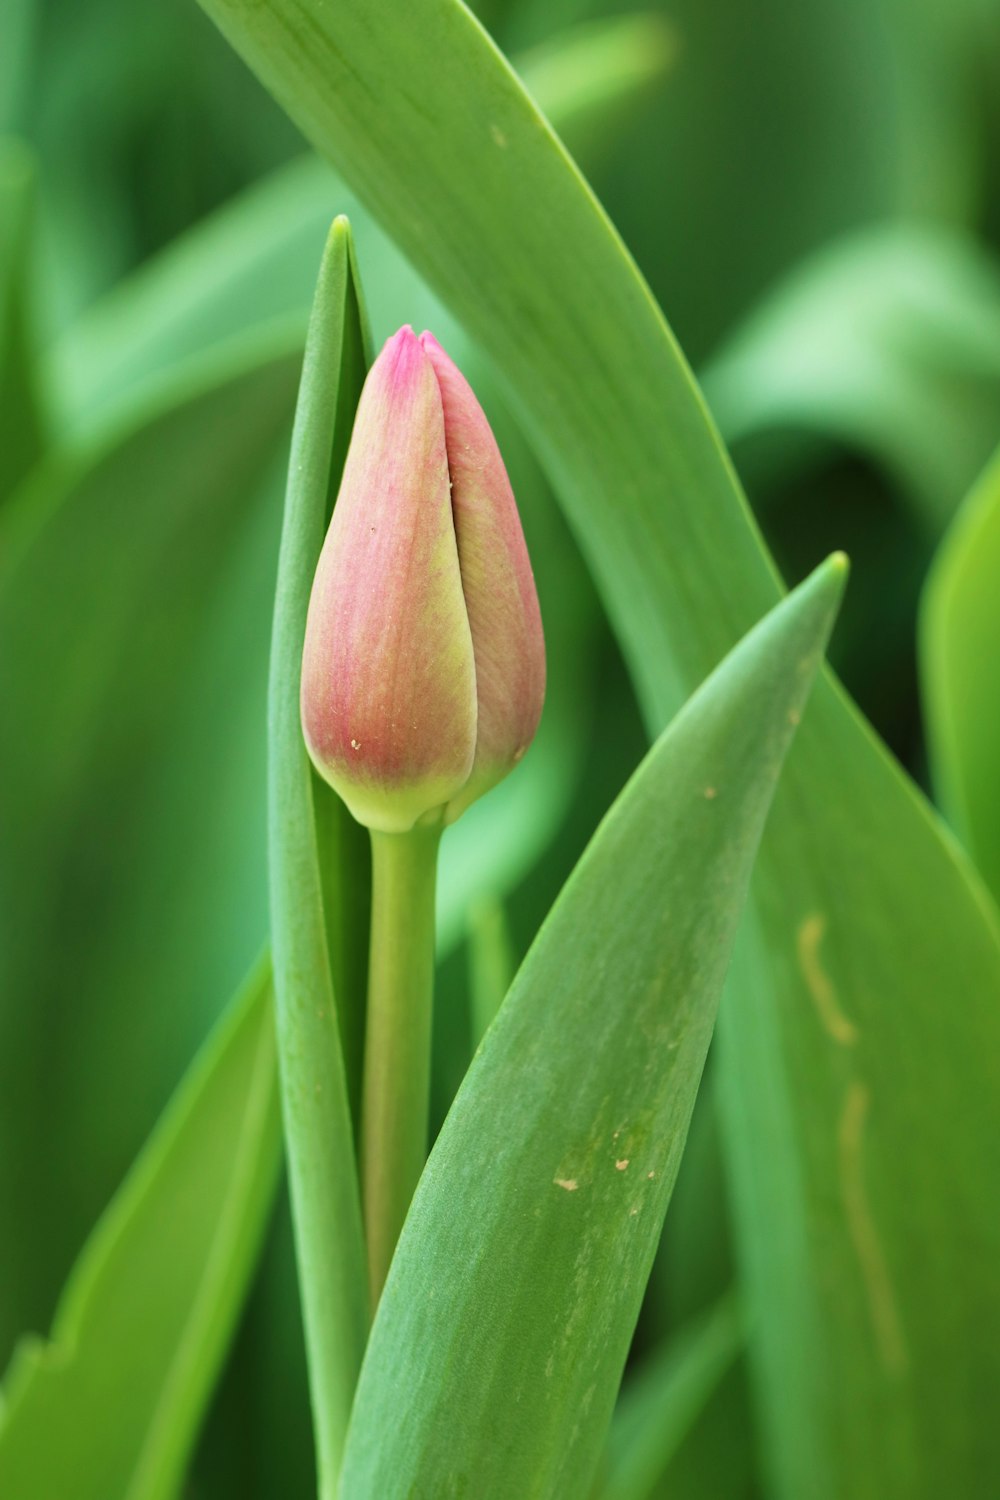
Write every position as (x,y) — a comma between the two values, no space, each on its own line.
(810,196)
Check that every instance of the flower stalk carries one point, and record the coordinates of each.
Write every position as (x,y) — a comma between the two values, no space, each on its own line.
(398,1041)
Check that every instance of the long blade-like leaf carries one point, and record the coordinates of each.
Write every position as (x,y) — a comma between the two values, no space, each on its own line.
(311,844)
(110,1405)
(503,1330)
(860,1100)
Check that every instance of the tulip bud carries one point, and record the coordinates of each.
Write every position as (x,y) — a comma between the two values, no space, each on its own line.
(423,672)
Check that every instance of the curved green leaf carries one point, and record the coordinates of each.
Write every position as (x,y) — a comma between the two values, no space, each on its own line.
(860,1102)
(887,341)
(960,660)
(503,1329)
(110,1405)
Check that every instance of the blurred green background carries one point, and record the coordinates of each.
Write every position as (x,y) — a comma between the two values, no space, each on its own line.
(811,188)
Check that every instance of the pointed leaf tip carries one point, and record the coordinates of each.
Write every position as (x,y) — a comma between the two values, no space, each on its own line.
(488,1345)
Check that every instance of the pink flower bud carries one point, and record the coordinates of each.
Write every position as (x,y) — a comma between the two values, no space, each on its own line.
(423,672)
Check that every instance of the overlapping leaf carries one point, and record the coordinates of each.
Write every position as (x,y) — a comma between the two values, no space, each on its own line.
(862,1106)
(503,1330)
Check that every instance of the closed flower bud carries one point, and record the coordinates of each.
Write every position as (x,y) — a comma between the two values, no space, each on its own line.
(423,672)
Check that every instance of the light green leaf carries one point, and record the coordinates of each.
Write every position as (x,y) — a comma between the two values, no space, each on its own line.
(110,1404)
(887,341)
(318,871)
(661,1403)
(860,1101)
(960,661)
(502,1333)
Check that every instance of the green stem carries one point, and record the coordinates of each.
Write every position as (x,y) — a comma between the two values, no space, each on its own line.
(398,1037)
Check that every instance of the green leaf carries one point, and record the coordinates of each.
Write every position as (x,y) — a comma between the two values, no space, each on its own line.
(503,1330)
(859,1102)
(254,259)
(111,1404)
(960,661)
(319,943)
(23,420)
(888,341)
(662,1402)
(853,1089)
(135,598)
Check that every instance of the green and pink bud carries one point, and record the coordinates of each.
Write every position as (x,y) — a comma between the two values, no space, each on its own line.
(423,673)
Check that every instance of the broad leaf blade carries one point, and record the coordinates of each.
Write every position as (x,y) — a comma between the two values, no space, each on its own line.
(852,860)
(316,878)
(960,648)
(111,1405)
(503,1330)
